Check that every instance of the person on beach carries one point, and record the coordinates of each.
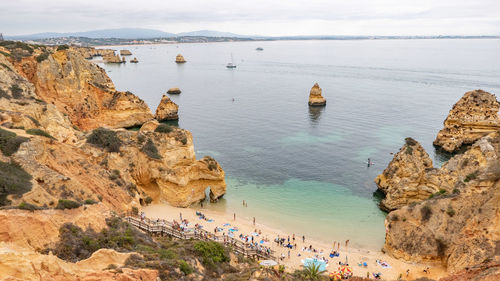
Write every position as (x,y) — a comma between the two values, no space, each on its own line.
(346,243)
(180,216)
(243,202)
(253,221)
(407,272)
(234,216)
(303,239)
(293,237)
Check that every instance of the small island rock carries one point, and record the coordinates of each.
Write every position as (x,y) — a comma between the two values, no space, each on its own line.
(125,53)
(167,110)
(179,59)
(315,97)
(174,91)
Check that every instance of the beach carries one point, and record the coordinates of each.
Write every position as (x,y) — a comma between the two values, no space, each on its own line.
(353,256)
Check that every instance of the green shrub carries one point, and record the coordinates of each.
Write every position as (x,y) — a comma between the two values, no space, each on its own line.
(16,91)
(62,47)
(410,142)
(211,252)
(442,191)
(185,267)
(184,140)
(456,191)
(471,176)
(115,174)
(29,207)
(148,200)
(164,128)
(105,139)
(43,56)
(441,246)
(150,149)
(426,212)
(13,180)
(90,202)
(409,150)
(141,138)
(39,132)
(135,210)
(450,211)
(10,142)
(67,204)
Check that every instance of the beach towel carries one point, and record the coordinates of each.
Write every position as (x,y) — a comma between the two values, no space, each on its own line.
(384,264)
(210,220)
(226,224)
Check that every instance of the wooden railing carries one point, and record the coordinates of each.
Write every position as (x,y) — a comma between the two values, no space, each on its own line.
(164,227)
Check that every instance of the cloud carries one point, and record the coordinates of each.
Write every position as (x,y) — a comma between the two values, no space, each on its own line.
(265,17)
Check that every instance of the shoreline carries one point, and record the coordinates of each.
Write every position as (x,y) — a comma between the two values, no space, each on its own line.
(352,255)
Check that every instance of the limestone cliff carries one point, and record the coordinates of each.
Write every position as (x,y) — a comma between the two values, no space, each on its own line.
(403,181)
(460,228)
(315,97)
(89,52)
(166,110)
(472,117)
(84,92)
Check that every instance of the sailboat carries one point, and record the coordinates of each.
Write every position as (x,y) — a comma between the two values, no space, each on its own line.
(231,64)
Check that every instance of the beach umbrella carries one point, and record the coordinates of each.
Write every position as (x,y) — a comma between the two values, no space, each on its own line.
(346,270)
(336,275)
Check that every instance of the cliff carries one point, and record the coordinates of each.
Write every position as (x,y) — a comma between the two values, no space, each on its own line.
(403,181)
(315,97)
(166,110)
(459,229)
(82,91)
(472,117)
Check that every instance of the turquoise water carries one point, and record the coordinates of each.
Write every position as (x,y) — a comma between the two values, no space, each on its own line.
(304,169)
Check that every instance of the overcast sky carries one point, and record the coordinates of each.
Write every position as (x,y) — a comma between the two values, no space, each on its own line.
(257,17)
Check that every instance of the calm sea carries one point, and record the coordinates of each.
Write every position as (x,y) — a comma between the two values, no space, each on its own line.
(304,169)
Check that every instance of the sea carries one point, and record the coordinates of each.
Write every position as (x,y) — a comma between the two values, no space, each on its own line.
(304,169)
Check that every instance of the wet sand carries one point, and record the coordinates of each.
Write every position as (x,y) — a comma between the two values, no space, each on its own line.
(353,256)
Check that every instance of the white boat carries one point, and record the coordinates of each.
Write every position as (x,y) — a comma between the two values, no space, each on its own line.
(231,64)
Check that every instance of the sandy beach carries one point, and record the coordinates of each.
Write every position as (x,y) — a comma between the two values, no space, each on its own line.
(292,258)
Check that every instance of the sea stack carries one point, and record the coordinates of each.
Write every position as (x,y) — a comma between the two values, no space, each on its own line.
(167,110)
(112,58)
(125,53)
(174,91)
(179,59)
(474,116)
(134,60)
(315,97)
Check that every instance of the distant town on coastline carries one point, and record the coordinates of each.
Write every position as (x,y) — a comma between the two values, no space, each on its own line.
(131,36)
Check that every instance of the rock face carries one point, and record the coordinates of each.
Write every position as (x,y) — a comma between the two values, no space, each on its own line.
(167,110)
(82,91)
(403,181)
(125,53)
(174,91)
(90,52)
(112,58)
(461,228)
(179,59)
(472,117)
(315,97)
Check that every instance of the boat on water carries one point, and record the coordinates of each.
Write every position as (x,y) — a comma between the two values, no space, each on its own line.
(231,64)
(260,49)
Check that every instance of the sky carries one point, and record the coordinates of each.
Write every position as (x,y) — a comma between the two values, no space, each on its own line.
(256,17)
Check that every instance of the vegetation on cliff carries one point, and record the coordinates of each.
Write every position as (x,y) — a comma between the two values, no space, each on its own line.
(10,142)
(13,180)
(105,139)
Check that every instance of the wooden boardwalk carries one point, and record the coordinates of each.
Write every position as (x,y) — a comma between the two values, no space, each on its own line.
(163,227)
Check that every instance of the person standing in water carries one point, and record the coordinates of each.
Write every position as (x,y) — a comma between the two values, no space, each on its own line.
(369,162)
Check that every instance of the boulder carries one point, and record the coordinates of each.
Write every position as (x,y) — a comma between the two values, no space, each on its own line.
(134,60)
(472,117)
(315,97)
(166,110)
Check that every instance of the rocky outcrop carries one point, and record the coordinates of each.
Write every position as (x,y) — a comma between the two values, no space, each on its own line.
(134,60)
(90,52)
(404,180)
(482,272)
(459,229)
(112,58)
(174,91)
(172,174)
(166,110)
(82,91)
(179,59)
(315,97)
(125,53)
(472,117)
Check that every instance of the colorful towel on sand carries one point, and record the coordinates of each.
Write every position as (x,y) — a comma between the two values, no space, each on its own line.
(226,224)
(384,264)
